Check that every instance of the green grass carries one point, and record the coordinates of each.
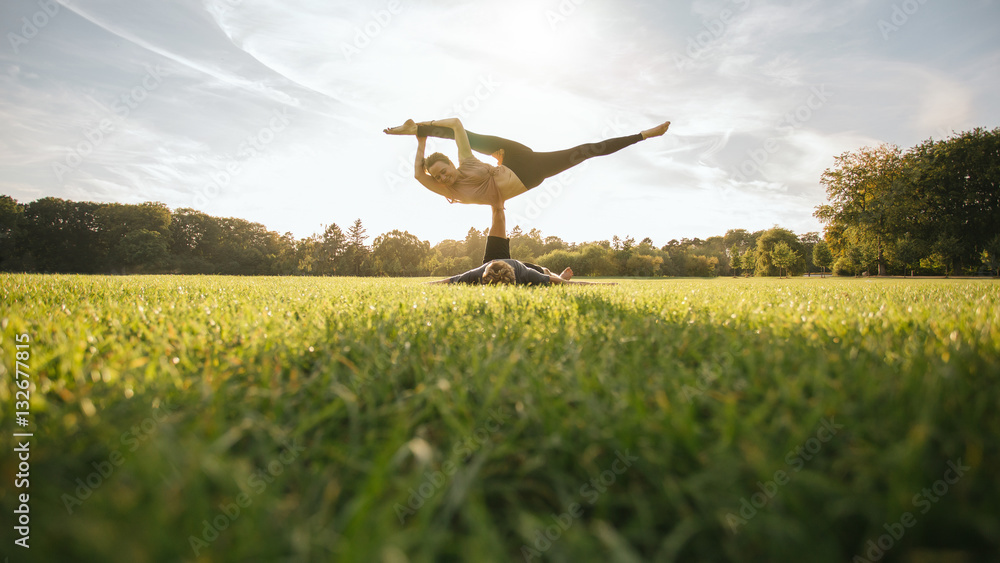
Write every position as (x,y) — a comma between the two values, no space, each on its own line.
(387,420)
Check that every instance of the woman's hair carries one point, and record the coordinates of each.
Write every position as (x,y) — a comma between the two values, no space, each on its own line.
(434,158)
(499,272)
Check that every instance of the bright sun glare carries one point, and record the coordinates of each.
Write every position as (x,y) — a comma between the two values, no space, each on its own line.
(539,33)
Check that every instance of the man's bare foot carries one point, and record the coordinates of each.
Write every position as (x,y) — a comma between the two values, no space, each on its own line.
(408,128)
(656,131)
(567,274)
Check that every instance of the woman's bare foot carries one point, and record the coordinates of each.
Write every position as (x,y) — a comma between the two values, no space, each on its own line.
(567,274)
(408,128)
(656,131)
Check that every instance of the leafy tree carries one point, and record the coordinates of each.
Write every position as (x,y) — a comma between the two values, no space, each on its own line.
(765,246)
(643,265)
(849,263)
(822,256)
(195,241)
(598,260)
(450,248)
(452,258)
(246,248)
(291,255)
(647,260)
(357,234)
(118,220)
(808,242)
(356,251)
(734,260)
(862,188)
(783,256)
(748,260)
(526,247)
(954,194)
(553,243)
(908,251)
(63,236)
(558,259)
(943,255)
(306,256)
(11,214)
(475,245)
(700,266)
(941,200)
(400,254)
(713,247)
(328,251)
(669,266)
(142,250)
(623,249)
(738,238)
(673,262)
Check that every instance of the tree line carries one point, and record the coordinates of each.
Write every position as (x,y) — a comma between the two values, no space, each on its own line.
(933,209)
(53,235)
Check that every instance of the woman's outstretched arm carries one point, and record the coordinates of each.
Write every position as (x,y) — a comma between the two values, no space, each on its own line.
(453,123)
(418,162)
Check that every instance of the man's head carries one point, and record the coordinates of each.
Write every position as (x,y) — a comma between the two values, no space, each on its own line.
(499,271)
(441,169)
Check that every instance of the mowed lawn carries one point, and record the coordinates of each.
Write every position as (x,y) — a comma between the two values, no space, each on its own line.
(342,419)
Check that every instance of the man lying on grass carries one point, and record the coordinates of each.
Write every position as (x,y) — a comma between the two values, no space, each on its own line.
(498,267)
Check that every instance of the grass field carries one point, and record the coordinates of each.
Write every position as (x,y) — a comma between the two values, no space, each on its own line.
(303,419)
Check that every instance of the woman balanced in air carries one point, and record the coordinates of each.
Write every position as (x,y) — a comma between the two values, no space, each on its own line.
(519,168)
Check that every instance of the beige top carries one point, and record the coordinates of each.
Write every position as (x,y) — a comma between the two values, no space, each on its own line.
(481,183)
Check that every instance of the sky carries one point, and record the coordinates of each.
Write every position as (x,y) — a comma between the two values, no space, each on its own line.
(273,110)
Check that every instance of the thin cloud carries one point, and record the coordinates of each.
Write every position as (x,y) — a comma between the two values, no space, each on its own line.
(219,74)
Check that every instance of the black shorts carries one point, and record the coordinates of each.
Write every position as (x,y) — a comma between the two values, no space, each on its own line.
(498,248)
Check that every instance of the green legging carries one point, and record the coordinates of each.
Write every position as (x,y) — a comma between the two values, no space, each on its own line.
(529,166)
